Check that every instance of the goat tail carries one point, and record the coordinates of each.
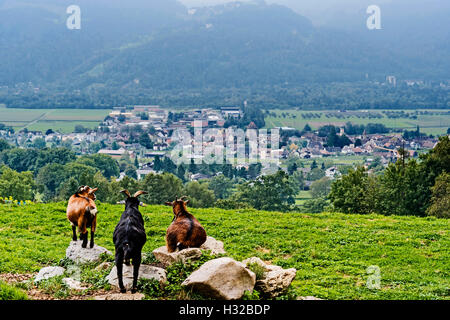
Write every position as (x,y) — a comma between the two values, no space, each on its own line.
(127,253)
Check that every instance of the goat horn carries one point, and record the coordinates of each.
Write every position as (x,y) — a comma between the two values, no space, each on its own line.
(126,192)
(137,194)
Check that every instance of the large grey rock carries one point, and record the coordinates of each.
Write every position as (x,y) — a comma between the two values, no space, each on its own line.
(166,258)
(162,255)
(145,272)
(213,245)
(275,280)
(49,272)
(222,278)
(81,255)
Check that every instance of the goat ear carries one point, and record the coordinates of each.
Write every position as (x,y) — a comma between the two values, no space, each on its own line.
(93,190)
(137,194)
(169,204)
(126,192)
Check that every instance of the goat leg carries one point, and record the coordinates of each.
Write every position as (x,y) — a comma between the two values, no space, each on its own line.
(119,266)
(136,265)
(85,239)
(74,231)
(92,239)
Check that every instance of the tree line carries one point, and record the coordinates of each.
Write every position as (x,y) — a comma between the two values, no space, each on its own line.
(408,187)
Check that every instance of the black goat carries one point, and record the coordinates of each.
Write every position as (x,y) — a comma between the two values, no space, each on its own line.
(129,238)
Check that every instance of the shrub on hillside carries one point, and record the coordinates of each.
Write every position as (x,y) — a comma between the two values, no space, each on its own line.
(440,200)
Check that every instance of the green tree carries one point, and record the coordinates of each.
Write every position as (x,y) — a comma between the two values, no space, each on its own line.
(402,189)
(20,159)
(19,186)
(315,205)
(320,188)
(104,163)
(221,186)
(49,180)
(355,192)
(144,140)
(54,155)
(272,192)
(4,145)
(199,194)
(440,200)
(292,167)
(39,143)
(316,174)
(161,188)
(297,181)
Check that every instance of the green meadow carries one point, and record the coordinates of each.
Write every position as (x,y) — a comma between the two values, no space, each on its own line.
(330,251)
(63,120)
(433,123)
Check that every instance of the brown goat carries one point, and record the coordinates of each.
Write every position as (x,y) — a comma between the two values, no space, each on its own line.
(185,230)
(82,213)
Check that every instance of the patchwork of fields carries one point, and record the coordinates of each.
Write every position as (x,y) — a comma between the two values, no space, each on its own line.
(434,122)
(330,251)
(63,120)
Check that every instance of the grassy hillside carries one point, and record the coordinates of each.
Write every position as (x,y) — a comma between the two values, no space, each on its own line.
(330,251)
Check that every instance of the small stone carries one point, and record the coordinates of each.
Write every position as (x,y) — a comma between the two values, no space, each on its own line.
(73,284)
(103,266)
(49,272)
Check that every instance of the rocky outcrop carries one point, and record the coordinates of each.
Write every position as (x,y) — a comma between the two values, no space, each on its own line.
(80,255)
(275,279)
(166,258)
(49,272)
(222,278)
(212,245)
(145,272)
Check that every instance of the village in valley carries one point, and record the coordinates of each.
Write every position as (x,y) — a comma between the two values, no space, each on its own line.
(143,133)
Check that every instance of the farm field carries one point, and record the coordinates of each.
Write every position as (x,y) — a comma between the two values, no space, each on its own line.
(63,120)
(330,251)
(436,122)
(302,197)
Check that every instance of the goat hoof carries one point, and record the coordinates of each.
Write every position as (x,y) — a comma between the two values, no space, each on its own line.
(133,291)
(91,245)
(123,290)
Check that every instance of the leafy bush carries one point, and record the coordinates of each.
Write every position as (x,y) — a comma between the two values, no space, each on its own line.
(440,201)
(257,269)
